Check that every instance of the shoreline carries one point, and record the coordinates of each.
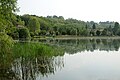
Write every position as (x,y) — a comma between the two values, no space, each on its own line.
(69,38)
(80,37)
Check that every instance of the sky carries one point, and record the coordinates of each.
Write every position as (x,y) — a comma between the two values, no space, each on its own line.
(86,10)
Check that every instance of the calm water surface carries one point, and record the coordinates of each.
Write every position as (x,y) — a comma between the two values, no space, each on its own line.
(97,65)
(93,59)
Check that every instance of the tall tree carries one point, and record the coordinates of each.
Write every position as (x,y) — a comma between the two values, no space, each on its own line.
(98,33)
(116,27)
(7,7)
(34,25)
(94,26)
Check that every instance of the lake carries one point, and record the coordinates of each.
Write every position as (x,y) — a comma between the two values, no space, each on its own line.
(77,59)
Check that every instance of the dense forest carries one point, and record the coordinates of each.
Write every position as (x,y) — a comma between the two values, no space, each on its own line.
(26,26)
(24,60)
(13,26)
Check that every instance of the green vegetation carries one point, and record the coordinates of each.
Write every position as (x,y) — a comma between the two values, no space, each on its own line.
(6,43)
(30,59)
(57,25)
(7,7)
(27,26)
(23,33)
(27,58)
(35,49)
(73,46)
(52,26)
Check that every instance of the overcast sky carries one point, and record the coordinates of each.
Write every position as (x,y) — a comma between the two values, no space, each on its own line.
(87,10)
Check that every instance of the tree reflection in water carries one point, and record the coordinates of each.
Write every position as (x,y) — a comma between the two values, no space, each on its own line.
(16,66)
(30,68)
(6,72)
(73,46)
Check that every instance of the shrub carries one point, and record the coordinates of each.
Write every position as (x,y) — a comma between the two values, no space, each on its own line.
(6,43)
(24,33)
(13,33)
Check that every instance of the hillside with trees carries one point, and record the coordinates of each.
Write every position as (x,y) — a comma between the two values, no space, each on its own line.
(27,26)
(51,26)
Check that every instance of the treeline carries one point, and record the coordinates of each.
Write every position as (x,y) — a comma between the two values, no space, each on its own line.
(27,26)
(34,26)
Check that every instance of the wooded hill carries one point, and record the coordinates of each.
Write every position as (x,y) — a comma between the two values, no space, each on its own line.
(32,25)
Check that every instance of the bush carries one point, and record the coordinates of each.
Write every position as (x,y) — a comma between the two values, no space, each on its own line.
(43,32)
(24,33)
(32,34)
(98,33)
(6,43)
(13,33)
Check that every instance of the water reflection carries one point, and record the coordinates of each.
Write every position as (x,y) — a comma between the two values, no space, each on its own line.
(6,72)
(77,45)
(30,69)
(42,67)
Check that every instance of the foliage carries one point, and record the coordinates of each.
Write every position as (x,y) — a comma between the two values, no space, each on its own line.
(23,32)
(33,25)
(14,33)
(7,7)
(35,49)
(104,32)
(98,33)
(94,26)
(50,25)
(73,46)
(6,43)
(57,25)
(116,27)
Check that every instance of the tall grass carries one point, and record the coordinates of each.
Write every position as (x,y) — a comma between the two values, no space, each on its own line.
(35,49)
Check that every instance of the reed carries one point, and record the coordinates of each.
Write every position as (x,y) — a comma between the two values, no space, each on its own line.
(35,49)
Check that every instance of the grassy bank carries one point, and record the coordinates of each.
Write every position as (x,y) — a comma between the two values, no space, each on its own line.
(35,49)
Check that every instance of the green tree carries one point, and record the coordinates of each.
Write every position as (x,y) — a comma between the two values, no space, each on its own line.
(94,26)
(44,24)
(25,18)
(116,27)
(2,24)
(83,32)
(6,43)
(118,32)
(104,32)
(34,25)
(13,33)
(43,32)
(73,31)
(7,7)
(98,33)
(92,33)
(23,32)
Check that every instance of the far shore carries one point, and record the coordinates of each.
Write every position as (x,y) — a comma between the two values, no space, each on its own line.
(80,37)
(68,38)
